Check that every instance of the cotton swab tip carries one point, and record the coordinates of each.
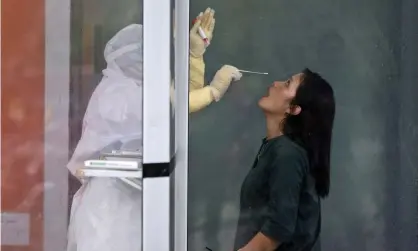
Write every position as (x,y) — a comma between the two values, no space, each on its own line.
(254,72)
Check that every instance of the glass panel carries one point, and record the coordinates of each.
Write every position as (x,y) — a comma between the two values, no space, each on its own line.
(365,51)
(106,92)
(73,94)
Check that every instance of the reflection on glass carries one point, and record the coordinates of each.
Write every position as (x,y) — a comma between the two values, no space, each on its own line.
(104,208)
(107,83)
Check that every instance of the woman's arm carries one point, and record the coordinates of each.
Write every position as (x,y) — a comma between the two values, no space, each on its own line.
(260,242)
(285,182)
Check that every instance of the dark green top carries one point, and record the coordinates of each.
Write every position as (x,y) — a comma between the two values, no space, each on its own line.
(278,198)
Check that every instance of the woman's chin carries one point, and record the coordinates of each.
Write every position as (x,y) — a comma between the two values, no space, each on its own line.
(262,101)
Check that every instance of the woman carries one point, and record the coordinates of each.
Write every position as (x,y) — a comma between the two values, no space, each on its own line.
(280,197)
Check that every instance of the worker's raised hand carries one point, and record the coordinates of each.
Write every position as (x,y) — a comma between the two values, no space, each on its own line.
(206,22)
(197,45)
(223,79)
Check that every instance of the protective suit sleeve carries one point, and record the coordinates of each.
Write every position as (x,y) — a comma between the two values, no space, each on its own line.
(200,98)
(196,72)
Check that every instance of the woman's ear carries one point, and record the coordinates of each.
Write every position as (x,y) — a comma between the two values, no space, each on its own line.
(295,110)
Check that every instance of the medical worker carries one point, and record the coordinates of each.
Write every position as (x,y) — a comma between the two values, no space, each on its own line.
(104,209)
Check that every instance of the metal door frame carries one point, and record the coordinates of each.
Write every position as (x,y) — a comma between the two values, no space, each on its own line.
(157,208)
(181,17)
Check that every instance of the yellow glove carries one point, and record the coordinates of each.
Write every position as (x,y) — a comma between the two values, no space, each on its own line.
(198,98)
(201,97)
(196,73)
(208,23)
(223,79)
(205,21)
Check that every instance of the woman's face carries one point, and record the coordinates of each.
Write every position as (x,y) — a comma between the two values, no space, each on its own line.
(280,94)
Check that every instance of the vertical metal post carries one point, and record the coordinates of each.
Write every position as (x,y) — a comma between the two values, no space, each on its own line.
(156,106)
(182,123)
(156,125)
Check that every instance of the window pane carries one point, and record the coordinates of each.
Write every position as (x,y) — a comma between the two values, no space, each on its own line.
(106,115)
(59,108)
(365,51)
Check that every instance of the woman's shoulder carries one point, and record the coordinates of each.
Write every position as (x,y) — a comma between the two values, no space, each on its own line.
(286,144)
(289,149)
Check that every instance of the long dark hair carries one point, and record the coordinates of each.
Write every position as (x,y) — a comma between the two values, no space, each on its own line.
(312,127)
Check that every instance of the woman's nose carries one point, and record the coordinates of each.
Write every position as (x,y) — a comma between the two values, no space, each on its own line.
(277,83)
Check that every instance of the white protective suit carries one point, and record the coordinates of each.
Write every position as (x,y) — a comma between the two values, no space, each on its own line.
(106,213)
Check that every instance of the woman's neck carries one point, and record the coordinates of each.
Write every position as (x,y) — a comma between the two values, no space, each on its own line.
(274,126)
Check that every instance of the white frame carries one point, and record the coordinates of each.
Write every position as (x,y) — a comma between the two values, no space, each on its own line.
(156,79)
(182,123)
(156,123)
